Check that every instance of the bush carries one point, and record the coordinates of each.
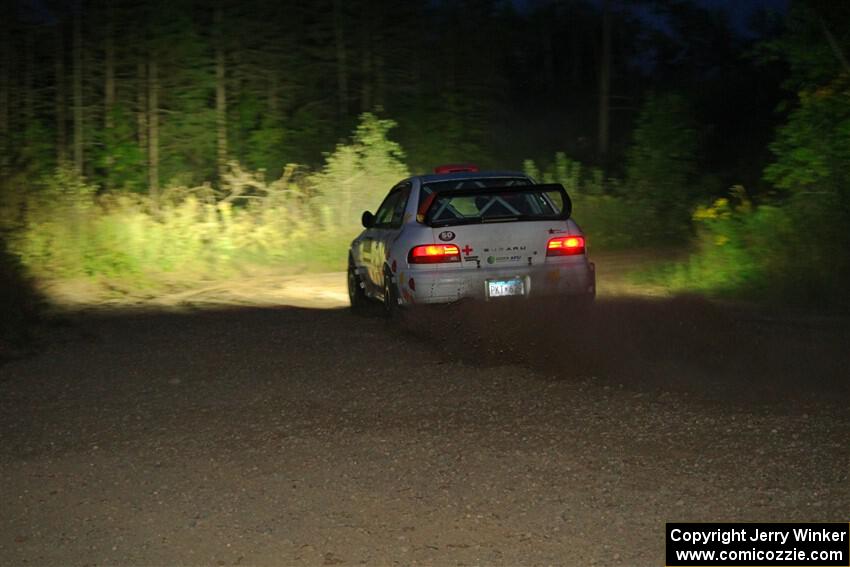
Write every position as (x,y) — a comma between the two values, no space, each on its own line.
(661,166)
(790,253)
(611,221)
(65,230)
(355,178)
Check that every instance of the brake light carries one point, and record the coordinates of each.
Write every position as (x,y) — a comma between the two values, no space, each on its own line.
(434,254)
(456,168)
(565,246)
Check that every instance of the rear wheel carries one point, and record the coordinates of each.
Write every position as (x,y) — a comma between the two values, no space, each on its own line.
(391,307)
(356,293)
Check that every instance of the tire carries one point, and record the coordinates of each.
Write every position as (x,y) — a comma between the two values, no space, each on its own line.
(356,294)
(391,307)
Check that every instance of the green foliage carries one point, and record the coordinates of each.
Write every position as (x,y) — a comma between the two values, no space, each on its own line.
(65,230)
(610,219)
(795,247)
(726,260)
(813,148)
(357,176)
(661,165)
(120,158)
(37,153)
(792,252)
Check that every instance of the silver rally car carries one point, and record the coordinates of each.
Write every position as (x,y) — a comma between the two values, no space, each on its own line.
(460,233)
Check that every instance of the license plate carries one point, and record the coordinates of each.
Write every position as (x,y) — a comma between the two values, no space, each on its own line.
(504,288)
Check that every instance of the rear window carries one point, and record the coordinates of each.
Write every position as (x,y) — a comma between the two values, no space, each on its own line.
(459,184)
(497,204)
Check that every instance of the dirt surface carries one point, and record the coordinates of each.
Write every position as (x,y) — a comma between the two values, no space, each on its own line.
(323,290)
(518,434)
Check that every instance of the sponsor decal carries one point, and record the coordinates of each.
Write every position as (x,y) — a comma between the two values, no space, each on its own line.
(471,258)
(505,249)
(496,259)
(447,236)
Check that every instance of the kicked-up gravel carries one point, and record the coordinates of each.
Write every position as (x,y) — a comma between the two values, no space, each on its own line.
(519,436)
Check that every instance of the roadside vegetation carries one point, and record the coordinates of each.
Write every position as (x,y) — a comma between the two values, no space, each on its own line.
(140,173)
(132,243)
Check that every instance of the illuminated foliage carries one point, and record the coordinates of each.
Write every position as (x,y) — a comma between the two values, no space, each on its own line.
(192,234)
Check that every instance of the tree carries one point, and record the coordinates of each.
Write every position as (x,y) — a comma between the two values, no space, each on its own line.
(5,87)
(662,163)
(220,91)
(603,141)
(77,62)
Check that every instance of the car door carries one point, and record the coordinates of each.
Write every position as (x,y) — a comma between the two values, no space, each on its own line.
(388,222)
(372,250)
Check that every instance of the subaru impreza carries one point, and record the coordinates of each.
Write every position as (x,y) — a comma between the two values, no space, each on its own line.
(460,233)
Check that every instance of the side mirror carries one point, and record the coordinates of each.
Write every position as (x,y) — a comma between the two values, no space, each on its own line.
(368,219)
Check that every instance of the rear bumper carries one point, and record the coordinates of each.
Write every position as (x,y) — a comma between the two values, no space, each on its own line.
(568,279)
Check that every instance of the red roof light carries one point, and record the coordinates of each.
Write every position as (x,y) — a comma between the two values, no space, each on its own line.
(456,168)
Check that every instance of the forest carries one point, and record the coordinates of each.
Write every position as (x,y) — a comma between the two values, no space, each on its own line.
(154,145)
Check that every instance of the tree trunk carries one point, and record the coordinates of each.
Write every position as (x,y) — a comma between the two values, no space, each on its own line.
(78,88)
(109,88)
(576,55)
(834,45)
(380,80)
(142,104)
(366,60)
(153,128)
(5,74)
(29,80)
(220,95)
(341,61)
(548,53)
(59,93)
(605,83)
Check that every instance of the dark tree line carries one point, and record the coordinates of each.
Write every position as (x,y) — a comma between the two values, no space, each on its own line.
(136,95)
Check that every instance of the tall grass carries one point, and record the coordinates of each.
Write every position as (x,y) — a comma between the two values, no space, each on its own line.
(796,252)
(611,221)
(65,229)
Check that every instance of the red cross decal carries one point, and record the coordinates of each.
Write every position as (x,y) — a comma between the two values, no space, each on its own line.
(467,250)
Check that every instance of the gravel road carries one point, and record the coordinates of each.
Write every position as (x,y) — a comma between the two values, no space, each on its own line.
(514,435)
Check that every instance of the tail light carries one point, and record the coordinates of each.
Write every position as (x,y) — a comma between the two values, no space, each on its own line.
(565,246)
(434,254)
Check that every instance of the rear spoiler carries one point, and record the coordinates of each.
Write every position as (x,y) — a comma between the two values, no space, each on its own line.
(425,208)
